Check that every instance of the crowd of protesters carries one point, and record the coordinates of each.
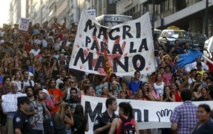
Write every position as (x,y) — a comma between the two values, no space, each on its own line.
(36,62)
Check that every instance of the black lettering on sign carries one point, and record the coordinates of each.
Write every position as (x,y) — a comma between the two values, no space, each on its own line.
(92,113)
(132,50)
(80,55)
(87,40)
(99,63)
(95,46)
(117,48)
(104,46)
(125,66)
(138,62)
(103,31)
(90,26)
(146,115)
(111,31)
(138,111)
(143,45)
(126,30)
(138,29)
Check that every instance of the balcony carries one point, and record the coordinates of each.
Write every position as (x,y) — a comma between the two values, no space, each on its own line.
(195,8)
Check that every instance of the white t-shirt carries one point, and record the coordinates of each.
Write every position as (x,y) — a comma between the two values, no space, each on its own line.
(23,84)
(159,88)
(33,51)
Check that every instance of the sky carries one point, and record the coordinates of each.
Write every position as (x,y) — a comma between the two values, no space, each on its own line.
(4,11)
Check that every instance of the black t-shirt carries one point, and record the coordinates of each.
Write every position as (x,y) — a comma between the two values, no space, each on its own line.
(206,128)
(102,120)
(20,120)
(79,124)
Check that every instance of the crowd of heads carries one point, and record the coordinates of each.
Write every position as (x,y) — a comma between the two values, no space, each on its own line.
(42,54)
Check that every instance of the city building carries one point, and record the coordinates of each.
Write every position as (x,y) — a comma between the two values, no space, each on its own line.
(182,13)
(17,10)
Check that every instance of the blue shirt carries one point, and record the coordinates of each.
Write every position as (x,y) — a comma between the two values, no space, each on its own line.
(133,86)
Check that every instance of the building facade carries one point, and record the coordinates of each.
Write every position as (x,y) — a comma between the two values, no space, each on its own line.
(182,13)
(17,10)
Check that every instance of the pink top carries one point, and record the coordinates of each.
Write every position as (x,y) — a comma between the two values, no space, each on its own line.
(49,102)
(167,78)
(155,95)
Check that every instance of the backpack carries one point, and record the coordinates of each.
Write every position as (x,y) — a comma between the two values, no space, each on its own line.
(127,126)
(22,83)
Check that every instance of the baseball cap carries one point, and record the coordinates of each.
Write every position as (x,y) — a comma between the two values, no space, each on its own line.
(45,91)
(23,99)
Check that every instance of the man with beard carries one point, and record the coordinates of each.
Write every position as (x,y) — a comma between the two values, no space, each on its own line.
(25,81)
(4,89)
(29,92)
(36,120)
(74,99)
(55,95)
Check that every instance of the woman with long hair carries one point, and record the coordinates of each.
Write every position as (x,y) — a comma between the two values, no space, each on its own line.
(167,76)
(80,121)
(167,96)
(17,77)
(204,94)
(63,119)
(175,90)
(55,68)
(159,84)
(196,94)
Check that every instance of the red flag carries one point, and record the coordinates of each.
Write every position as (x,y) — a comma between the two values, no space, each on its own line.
(108,65)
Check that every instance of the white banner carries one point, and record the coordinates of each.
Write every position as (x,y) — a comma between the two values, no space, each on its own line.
(149,114)
(122,49)
(24,24)
(9,103)
(92,12)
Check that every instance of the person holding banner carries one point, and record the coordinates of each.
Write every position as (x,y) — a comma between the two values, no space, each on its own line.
(103,121)
(10,115)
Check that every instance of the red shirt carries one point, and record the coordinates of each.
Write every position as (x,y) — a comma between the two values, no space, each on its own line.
(210,66)
(118,131)
(56,96)
(177,97)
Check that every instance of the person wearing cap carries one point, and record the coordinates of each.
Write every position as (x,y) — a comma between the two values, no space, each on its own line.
(20,120)
(47,100)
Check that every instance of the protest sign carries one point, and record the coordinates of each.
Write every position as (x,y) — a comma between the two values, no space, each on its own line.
(24,24)
(148,114)
(122,49)
(92,12)
(9,102)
